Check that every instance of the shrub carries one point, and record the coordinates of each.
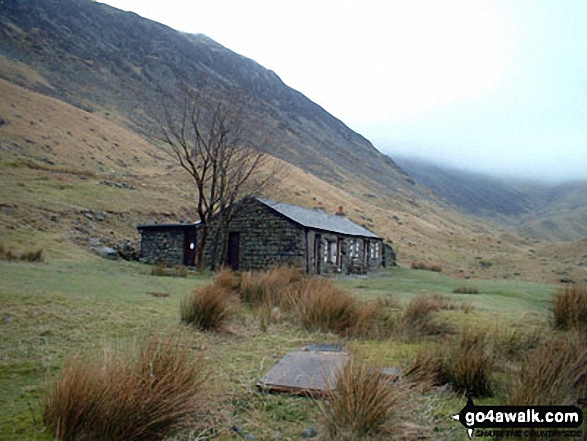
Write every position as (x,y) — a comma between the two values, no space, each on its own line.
(325,307)
(570,308)
(427,266)
(207,308)
(553,373)
(467,364)
(361,403)
(137,394)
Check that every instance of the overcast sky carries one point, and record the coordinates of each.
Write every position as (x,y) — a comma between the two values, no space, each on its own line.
(495,86)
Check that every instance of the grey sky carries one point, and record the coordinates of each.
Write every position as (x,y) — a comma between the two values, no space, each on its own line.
(497,86)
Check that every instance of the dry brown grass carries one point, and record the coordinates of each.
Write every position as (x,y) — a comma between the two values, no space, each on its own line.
(325,307)
(427,266)
(570,308)
(426,370)
(553,373)
(27,256)
(280,287)
(207,308)
(464,363)
(419,317)
(138,394)
(226,279)
(362,403)
(468,364)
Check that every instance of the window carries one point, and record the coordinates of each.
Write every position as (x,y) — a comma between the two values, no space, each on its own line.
(332,248)
(354,249)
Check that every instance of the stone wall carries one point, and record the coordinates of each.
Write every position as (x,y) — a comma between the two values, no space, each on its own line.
(164,244)
(266,239)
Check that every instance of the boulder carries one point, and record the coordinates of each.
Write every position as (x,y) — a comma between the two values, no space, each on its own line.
(106,253)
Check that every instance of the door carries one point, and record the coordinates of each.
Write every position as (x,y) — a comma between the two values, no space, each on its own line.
(233,251)
(189,249)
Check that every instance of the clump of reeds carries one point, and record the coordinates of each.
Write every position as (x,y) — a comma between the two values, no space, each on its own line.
(140,393)
(464,363)
(570,308)
(554,372)
(362,403)
(207,308)
(435,267)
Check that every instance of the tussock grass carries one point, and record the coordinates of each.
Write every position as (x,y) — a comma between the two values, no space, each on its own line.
(512,346)
(207,308)
(361,404)
(226,278)
(137,394)
(27,256)
(426,370)
(325,307)
(279,287)
(468,364)
(553,373)
(570,308)
(419,317)
(434,267)
(464,363)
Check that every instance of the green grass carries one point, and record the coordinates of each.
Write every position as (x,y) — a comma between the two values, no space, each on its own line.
(52,309)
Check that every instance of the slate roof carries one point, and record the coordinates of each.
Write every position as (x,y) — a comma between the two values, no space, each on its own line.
(167,226)
(319,220)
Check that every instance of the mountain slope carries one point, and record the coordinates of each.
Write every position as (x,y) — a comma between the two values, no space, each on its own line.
(539,210)
(97,57)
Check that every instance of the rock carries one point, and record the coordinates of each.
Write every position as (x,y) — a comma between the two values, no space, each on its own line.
(94,242)
(567,280)
(106,252)
(101,216)
(2,121)
(89,215)
(237,429)
(309,433)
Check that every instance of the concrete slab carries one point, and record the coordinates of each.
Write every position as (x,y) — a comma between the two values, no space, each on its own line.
(309,373)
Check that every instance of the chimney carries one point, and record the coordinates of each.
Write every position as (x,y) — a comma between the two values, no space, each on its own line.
(340,211)
(319,207)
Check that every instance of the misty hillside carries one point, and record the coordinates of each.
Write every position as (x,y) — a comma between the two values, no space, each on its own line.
(548,211)
(99,58)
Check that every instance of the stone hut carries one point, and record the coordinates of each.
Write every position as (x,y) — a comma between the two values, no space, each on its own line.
(265,233)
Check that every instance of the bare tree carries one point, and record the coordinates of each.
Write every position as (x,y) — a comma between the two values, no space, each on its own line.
(212,142)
